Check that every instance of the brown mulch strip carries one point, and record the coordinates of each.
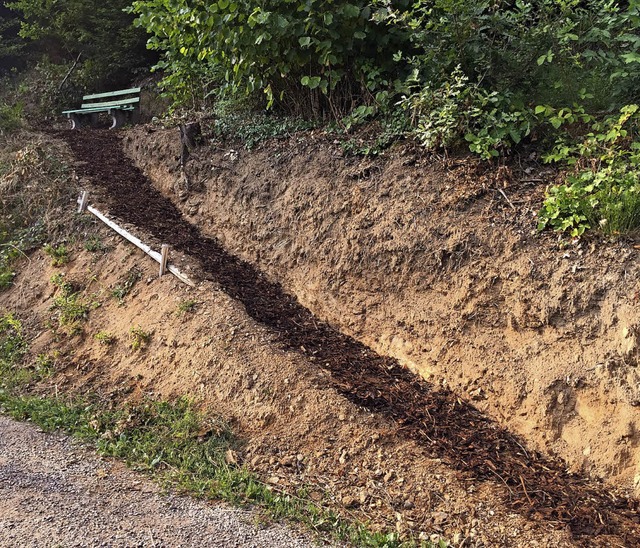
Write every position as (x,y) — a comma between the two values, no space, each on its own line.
(447,427)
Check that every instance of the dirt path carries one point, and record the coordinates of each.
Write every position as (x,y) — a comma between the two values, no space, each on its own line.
(54,492)
(447,427)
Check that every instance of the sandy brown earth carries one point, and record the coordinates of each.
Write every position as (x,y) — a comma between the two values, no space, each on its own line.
(438,264)
(317,407)
(55,493)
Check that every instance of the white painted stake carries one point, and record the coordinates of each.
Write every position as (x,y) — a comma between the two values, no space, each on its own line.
(139,244)
(164,257)
(83,201)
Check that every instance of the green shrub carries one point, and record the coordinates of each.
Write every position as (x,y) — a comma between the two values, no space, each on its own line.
(602,191)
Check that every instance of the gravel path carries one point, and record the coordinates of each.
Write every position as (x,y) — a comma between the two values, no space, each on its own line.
(56,493)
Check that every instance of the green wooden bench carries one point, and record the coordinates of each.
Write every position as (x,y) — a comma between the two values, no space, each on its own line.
(123,106)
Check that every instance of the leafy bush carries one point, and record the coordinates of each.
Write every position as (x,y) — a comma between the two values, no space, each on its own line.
(603,191)
(99,34)
(442,115)
(312,57)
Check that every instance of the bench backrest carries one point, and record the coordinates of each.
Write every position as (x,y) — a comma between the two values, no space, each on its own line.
(122,97)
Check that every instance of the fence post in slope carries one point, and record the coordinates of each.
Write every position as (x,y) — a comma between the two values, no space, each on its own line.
(83,201)
(164,256)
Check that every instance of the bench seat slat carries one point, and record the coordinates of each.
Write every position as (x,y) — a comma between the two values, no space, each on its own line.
(121,102)
(130,91)
(98,109)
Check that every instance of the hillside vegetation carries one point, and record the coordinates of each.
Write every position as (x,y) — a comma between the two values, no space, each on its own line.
(559,77)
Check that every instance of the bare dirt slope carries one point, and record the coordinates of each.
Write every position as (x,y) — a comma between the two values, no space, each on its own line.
(316,407)
(438,265)
(56,493)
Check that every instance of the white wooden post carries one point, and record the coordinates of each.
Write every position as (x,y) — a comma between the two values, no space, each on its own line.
(164,253)
(83,201)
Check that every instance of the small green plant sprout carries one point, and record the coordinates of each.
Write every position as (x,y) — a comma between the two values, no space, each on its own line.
(126,284)
(186,306)
(59,254)
(105,338)
(94,244)
(139,337)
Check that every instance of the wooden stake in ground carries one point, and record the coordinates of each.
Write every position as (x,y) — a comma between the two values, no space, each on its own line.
(164,256)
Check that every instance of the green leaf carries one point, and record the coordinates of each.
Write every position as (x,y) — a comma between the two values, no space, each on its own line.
(540,109)
(312,82)
(556,122)
(304,41)
(350,10)
(632,57)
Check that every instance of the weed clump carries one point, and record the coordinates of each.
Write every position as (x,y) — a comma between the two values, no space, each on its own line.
(59,254)
(69,306)
(105,338)
(139,337)
(126,285)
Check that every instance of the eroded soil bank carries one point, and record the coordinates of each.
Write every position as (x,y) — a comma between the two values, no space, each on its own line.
(316,407)
(443,425)
(438,265)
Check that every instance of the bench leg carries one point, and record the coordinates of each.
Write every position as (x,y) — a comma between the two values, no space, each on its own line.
(79,120)
(75,120)
(119,118)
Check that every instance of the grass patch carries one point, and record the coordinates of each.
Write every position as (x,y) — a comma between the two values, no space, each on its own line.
(12,247)
(172,441)
(181,448)
(13,347)
(11,117)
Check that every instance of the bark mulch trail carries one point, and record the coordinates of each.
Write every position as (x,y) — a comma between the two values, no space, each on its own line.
(446,426)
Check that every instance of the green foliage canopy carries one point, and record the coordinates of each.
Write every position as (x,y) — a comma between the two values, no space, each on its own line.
(286,48)
(111,48)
